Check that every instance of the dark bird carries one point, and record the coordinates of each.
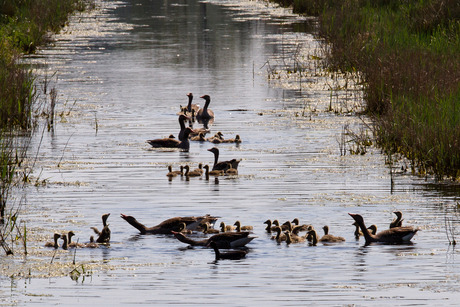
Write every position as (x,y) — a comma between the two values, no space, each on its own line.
(330,238)
(396,235)
(173,143)
(172,224)
(222,240)
(232,255)
(104,234)
(397,222)
(54,243)
(224,165)
(205,112)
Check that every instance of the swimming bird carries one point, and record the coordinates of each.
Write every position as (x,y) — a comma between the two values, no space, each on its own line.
(199,138)
(232,255)
(396,235)
(240,228)
(104,234)
(280,236)
(397,222)
(292,238)
(231,171)
(224,165)
(172,173)
(358,233)
(222,240)
(199,169)
(64,244)
(191,106)
(207,229)
(172,224)
(172,143)
(312,237)
(226,228)
(71,243)
(330,238)
(193,173)
(183,229)
(54,243)
(237,140)
(283,227)
(212,173)
(91,243)
(269,227)
(205,112)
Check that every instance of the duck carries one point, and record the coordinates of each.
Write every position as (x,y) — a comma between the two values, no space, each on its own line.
(104,234)
(396,235)
(54,243)
(397,222)
(292,238)
(232,255)
(280,236)
(223,240)
(240,228)
(189,173)
(212,173)
(173,143)
(171,224)
(91,243)
(358,233)
(205,112)
(222,165)
(172,173)
(71,243)
(226,228)
(208,230)
(330,238)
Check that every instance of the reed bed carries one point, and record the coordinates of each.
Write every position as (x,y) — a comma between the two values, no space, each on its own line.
(408,55)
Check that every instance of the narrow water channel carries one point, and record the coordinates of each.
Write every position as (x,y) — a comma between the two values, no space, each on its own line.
(121,73)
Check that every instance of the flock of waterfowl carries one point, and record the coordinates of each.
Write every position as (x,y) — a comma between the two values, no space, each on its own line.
(190,230)
(234,236)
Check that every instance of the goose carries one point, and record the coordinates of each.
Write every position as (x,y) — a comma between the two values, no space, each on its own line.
(205,112)
(189,173)
(330,238)
(222,165)
(64,244)
(232,255)
(208,230)
(54,243)
(226,228)
(172,224)
(199,138)
(72,244)
(396,235)
(240,228)
(292,238)
(212,173)
(358,233)
(397,222)
(182,118)
(91,243)
(280,236)
(172,173)
(172,143)
(191,107)
(222,240)
(104,234)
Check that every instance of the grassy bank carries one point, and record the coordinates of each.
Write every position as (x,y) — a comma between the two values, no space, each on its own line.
(24,25)
(408,53)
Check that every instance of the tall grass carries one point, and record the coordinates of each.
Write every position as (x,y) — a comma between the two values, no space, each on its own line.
(408,53)
(24,25)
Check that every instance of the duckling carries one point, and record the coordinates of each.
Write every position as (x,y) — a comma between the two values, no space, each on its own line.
(397,222)
(65,244)
(240,228)
(358,233)
(313,236)
(175,173)
(199,138)
(330,238)
(292,238)
(71,244)
(280,236)
(208,230)
(212,173)
(231,170)
(54,243)
(199,169)
(237,139)
(183,229)
(233,255)
(189,173)
(91,243)
(226,228)
(217,138)
(269,227)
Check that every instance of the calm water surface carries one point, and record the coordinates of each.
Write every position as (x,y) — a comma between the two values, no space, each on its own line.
(121,73)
